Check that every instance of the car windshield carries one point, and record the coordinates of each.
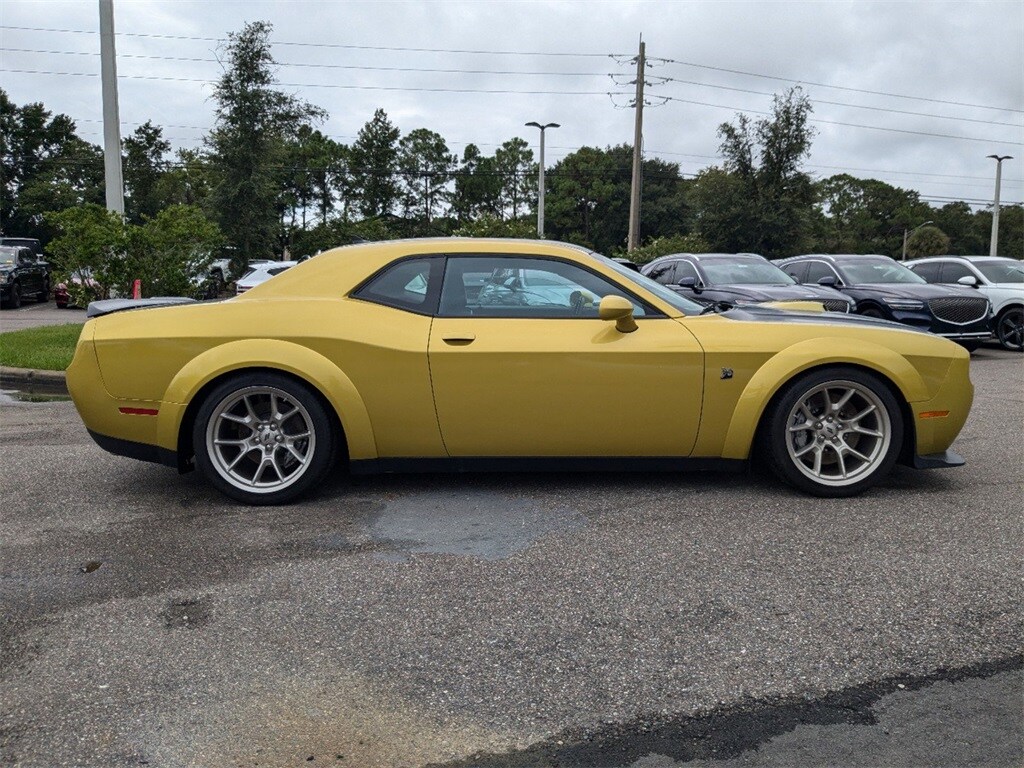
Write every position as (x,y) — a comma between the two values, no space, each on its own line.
(8,256)
(1008,271)
(667,295)
(743,271)
(882,270)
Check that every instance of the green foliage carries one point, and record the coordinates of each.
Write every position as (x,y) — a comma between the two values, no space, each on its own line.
(766,206)
(927,241)
(374,163)
(477,186)
(490,225)
(144,164)
(170,253)
(513,162)
(426,166)
(49,348)
(88,252)
(663,246)
(247,143)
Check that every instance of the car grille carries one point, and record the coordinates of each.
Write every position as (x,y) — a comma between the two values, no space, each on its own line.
(959,310)
(836,305)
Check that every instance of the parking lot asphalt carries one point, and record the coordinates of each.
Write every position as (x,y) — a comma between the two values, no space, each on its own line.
(35,315)
(567,619)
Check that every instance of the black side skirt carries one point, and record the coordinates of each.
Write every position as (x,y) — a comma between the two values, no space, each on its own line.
(939,460)
(546,464)
(134,450)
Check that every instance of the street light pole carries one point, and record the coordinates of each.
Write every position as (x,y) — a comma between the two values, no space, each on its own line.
(111,116)
(906,236)
(540,176)
(994,241)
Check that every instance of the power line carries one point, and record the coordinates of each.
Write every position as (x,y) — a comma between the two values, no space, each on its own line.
(849,125)
(324,45)
(836,87)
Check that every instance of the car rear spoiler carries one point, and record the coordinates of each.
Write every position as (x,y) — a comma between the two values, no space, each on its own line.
(109,306)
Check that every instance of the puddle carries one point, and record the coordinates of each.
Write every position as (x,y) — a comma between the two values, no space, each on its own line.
(12,396)
(479,523)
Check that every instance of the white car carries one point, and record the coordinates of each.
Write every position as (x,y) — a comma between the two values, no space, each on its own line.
(260,273)
(1000,279)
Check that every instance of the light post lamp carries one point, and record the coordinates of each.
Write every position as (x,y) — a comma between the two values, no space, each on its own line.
(906,236)
(993,245)
(540,175)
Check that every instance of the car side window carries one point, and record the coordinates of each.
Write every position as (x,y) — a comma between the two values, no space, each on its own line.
(817,270)
(405,284)
(798,271)
(953,271)
(686,269)
(663,273)
(525,287)
(929,272)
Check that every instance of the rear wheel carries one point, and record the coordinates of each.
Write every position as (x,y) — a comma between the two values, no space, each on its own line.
(15,296)
(263,438)
(834,432)
(1010,329)
(45,294)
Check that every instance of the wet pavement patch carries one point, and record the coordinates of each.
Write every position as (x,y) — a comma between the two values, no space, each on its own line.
(188,613)
(720,734)
(91,566)
(476,522)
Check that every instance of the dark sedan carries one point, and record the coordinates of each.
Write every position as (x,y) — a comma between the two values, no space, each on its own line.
(737,278)
(882,287)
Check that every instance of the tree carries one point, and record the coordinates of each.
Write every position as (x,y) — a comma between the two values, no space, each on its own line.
(426,165)
(188,180)
(247,144)
(770,210)
(45,167)
(374,163)
(514,164)
(144,165)
(477,186)
(663,246)
(88,250)
(927,241)
(170,253)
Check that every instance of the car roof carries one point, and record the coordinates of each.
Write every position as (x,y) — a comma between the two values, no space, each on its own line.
(836,257)
(705,256)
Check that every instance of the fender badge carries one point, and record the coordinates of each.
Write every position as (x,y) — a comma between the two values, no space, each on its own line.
(727,373)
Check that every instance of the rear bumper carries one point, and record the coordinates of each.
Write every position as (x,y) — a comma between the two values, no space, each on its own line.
(133,450)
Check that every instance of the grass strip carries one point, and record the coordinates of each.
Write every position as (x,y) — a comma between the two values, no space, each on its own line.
(49,348)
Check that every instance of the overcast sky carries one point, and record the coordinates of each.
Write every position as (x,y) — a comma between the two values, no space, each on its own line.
(926,71)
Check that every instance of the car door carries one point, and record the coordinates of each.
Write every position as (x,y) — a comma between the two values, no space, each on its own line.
(528,369)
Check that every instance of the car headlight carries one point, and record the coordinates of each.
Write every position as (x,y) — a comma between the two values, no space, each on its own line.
(904,303)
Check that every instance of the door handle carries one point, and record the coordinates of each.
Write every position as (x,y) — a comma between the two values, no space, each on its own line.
(459,338)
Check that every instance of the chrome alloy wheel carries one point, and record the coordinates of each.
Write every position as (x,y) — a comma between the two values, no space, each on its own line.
(260,439)
(838,433)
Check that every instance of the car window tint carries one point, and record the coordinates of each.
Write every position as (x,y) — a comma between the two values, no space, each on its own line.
(686,269)
(404,285)
(508,286)
(798,271)
(952,271)
(817,270)
(929,271)
(663,273)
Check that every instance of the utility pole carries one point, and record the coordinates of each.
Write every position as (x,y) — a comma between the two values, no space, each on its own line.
(540,176)
(638,138)
(993,243)
(111,114)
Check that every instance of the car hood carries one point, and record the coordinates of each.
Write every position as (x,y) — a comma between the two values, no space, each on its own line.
(922,291)
(769,314)
(778,292)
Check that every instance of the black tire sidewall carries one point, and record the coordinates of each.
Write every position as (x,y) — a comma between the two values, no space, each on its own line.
(776,426)
(999,328)
(16,296)
(323,455)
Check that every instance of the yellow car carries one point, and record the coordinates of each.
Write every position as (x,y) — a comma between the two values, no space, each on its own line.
(464,354)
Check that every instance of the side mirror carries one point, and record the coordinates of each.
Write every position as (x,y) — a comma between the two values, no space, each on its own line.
(828,282)
(689,282)
(969,280)
(620,310)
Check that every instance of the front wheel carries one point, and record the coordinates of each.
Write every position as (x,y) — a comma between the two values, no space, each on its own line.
(263,438)
(1010,329)
(16,296)
(834,432)
(44,296)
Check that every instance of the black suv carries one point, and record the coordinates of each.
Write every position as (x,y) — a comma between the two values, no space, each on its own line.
(882,287)
(22,275)
(737,278)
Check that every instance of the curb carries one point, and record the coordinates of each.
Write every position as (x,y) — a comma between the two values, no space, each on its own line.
(33,382)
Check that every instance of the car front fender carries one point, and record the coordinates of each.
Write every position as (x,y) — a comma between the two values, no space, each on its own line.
(300,361)
(803,356)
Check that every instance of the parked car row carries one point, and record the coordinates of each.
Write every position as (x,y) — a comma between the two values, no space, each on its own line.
(968,299)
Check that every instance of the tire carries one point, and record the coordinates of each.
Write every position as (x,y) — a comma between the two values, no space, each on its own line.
(44,297)
(872,312)
(241,461)
(833,432)
(16,296)
(970,346)
(1010,329)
